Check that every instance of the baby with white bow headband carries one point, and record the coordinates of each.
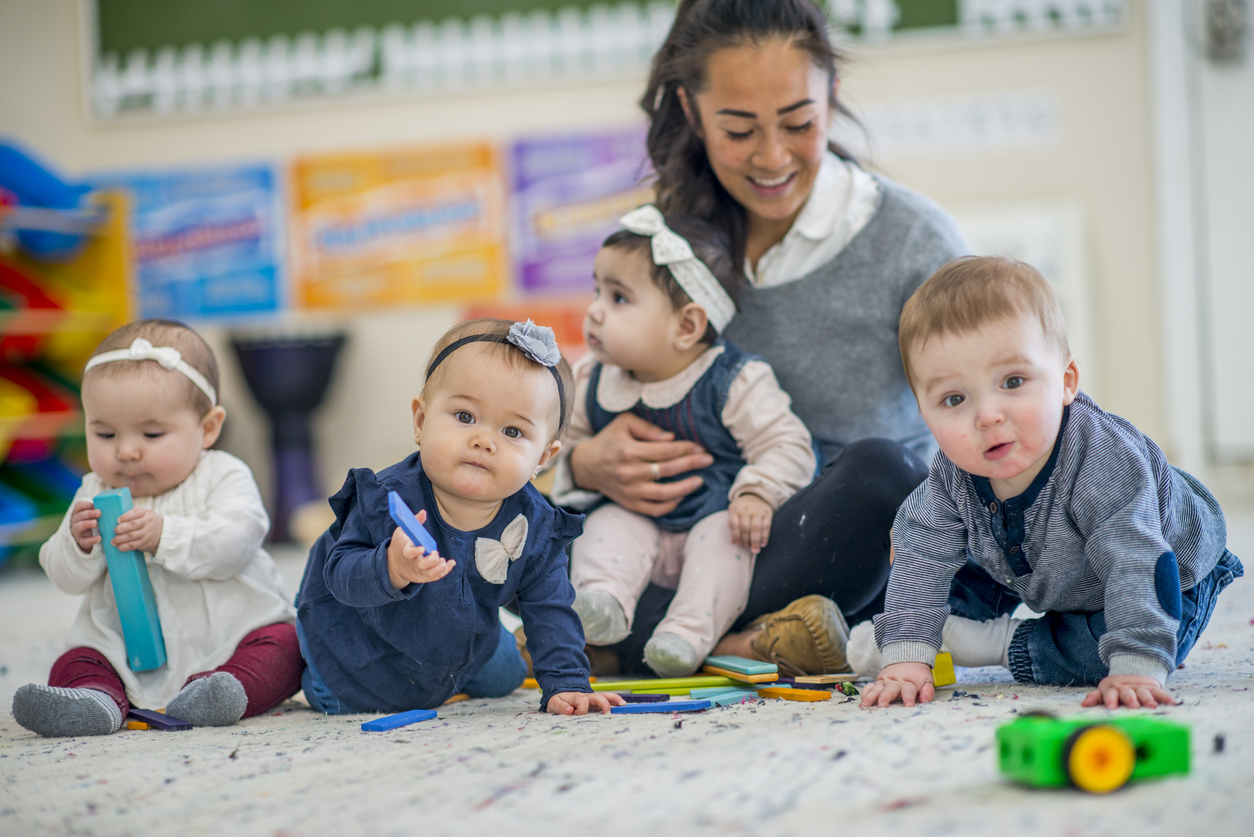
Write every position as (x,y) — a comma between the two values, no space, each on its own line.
(665,291)
(151,406)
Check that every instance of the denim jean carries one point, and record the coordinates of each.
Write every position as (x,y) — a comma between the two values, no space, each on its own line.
(1061,648)
(501,674)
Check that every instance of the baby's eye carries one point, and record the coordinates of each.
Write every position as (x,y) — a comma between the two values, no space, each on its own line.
(104,435)
(1013,382)
(513,432)
(464,417)
(952,400)
(619,299)
(153,435)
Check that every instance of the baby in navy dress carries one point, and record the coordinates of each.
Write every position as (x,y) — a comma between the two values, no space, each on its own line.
(385,626)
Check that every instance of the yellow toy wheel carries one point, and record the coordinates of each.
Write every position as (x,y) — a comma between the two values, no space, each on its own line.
(1099,758)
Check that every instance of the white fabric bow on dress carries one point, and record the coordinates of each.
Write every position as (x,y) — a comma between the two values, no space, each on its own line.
(493,557)
(673,250)
(169,358)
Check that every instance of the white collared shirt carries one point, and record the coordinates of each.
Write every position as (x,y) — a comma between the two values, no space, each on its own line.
(842,201)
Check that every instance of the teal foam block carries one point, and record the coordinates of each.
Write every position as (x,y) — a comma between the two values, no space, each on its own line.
(722,696)
(402,719)
(668,706)
(132,589)
(741,665)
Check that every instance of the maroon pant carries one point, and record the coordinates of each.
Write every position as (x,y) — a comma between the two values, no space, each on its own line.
(267,662)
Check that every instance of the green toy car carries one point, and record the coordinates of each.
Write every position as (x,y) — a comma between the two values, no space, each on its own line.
(1043,751)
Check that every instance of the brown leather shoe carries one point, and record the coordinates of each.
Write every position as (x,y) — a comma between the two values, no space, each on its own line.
(807,637)
(520,637)
(602,661)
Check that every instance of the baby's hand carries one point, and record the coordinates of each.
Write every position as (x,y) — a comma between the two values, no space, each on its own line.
(83,525)
(410,564)
(580,703)
(750,519)
(1130,690)
(900,680)
(138,529)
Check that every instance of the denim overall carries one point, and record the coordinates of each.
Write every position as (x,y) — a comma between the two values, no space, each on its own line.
(697,417)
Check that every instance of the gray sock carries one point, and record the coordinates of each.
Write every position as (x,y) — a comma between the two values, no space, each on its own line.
(670,655)
(58,712)
(214,701)
(604,621)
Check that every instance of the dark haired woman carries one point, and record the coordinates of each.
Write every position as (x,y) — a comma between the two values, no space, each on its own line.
(740,100)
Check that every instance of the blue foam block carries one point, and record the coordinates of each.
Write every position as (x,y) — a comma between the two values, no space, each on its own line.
(409,524)
(630,698)
(132,589)
(402,719)
(741,665)
(158,720)
(667,706)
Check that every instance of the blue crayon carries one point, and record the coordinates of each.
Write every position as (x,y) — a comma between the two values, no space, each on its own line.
(402,719)
(132,589)
(409,524)
(667,706)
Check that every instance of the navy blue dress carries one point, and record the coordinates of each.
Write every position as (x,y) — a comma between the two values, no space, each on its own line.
(379,649)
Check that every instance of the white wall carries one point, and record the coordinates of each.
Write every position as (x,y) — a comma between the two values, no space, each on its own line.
(1101,161)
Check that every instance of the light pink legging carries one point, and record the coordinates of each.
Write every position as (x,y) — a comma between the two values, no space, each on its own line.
(620,552)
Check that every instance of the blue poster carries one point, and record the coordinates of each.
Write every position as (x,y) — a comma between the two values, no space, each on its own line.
(206,242)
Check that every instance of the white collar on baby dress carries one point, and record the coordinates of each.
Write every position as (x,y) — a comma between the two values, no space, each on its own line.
(618,391)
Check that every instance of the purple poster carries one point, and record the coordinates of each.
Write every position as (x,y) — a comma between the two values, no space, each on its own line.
(568,194)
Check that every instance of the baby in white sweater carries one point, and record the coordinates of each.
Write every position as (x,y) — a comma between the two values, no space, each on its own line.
(150,402)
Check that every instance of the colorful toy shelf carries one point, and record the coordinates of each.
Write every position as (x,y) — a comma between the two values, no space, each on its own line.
(64,285)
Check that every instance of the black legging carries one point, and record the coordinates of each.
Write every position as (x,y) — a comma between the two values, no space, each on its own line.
(831,537)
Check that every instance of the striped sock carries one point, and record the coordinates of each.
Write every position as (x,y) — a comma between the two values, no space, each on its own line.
(57,712)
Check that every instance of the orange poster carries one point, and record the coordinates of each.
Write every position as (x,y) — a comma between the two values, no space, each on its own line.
(423,224)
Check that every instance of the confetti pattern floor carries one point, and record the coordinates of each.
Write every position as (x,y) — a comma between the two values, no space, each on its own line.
(500,767)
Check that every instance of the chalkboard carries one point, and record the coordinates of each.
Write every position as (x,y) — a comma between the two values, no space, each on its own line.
(126,25)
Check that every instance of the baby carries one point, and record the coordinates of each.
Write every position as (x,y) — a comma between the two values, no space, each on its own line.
(1037,496)
(664,293)
(150,401)
(386,627)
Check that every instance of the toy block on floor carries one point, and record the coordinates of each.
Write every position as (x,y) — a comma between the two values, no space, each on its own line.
(733,697)
(409,524)
(662,683)
(668,706)
(671,692)
(743,678)
(741,665)
(795,694)
(824,679)
(641,698)
(402,719)
(457,699)
(132,589)
(943,670)
(147,719)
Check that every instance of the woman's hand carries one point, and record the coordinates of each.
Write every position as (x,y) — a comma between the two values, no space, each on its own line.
(628,457)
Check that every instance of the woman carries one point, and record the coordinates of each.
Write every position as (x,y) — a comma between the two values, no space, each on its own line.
(740,100)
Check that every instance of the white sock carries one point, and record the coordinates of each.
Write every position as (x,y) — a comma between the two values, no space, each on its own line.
(974,644)
(861,651)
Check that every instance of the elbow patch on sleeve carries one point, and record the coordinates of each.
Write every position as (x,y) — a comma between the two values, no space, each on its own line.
(1167,584)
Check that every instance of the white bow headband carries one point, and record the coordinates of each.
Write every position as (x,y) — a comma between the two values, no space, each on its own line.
(168,357)
(674,251)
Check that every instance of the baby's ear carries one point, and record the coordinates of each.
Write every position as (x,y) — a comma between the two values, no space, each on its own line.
(692,326)
(211,427)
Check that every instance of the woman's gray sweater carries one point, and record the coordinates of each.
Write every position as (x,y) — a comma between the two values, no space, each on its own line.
(831,336)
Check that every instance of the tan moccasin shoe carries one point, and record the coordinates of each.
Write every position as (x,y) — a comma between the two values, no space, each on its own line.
(807,637)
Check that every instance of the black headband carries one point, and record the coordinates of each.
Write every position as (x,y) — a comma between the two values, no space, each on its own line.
(496,338)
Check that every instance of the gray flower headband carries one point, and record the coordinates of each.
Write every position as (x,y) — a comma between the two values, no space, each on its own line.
(673,250)
(167,356)
(535,341)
